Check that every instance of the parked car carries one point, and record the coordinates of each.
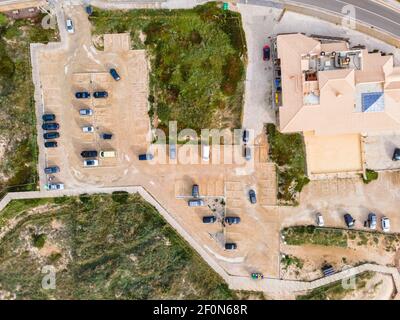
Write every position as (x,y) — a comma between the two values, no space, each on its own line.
(172,151)
(278,85)
(205,152)
(50,126)
(106,136)
(266,53)
(69,25)
(51,135)
(230,246)
(247,153)
(209,219)
(252,196)
(108,154)
(385,224)
(348,219)
(50,144)
(89,10)
(90,163)
(88,129)
(55,186)
(51,170)
(89,154)
(48,117)
(115,74)
(196,203)
(257,276)
(396,154)
(145,156)
(86,112)
(82,95)
(232,220)
(320,220)
(246,135)
(100,94)
(372,220)
(195,191)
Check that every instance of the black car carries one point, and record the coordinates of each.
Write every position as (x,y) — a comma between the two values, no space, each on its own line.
(115,74)
(252,196)
(106,136)
(209,219)
(52,169)
(349,220)
(247,153)
(230,246)
(232,220)
(89,154)
(100,94)
(82,95)
(396,154)
(48,117)
(266,53)
(50,144)
(51,135)
(195,191)
(246,136)
(50,126)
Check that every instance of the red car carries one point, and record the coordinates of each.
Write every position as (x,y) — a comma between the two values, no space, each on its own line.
(266,53)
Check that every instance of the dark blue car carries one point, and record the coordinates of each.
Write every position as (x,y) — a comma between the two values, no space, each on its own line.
(209,219)
(146,156)
(100,94)
(82,95)
(51,135)
(115,74)
(49,117)
(232,220)
(50,126)
(106,136)
(52,169)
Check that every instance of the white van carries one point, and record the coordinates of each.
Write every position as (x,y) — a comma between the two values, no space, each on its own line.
(205,152)
(108,154)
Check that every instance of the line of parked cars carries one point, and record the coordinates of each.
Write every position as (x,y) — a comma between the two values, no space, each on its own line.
(370,223)
(49,125)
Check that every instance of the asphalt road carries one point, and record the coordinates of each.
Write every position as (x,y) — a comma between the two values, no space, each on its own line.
(366,11)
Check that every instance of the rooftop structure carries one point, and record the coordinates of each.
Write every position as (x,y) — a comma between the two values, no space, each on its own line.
(329,88)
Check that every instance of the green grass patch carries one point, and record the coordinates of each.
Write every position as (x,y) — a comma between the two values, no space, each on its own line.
(336,291)
(370,175)
(303,235)
(17,110)
(289,260)
(106,249)
(197,62)
(287,151)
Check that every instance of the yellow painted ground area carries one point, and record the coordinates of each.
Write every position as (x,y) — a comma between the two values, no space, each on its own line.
(333,154)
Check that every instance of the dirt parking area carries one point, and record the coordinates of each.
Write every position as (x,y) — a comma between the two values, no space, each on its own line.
(379,151)
(333,154)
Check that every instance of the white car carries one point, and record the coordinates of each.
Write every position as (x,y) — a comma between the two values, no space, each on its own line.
(70,26)
(88,129)
(55,186)
(320,220)
(385,224)
(90,163)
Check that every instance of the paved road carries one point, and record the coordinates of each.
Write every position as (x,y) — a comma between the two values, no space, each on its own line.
(366,11)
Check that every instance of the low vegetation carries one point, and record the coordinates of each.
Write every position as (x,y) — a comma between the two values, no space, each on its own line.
(197,60)
(288,152)
(18,149)
(305,235)
(370,175)
(336,290)
(289,260)
(301,235)
(102,247)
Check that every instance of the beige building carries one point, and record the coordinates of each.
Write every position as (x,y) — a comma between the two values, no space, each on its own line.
(335,95)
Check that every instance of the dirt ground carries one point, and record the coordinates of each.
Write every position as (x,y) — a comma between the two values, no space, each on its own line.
(124,113)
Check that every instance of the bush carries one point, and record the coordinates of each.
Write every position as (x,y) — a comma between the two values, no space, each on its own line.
(370,175)
(38,240)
